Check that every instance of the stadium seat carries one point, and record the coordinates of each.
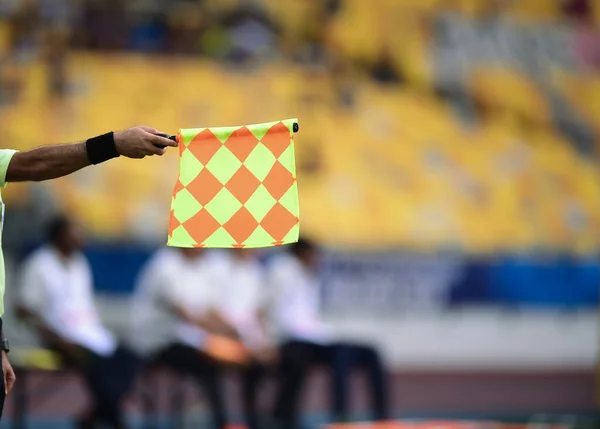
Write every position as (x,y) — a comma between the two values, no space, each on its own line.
(4,37)
(534,10)
(596,13)
(583,93)
(469,8)
(508,91)
(428,7)
(367,39)
(372,166)
(409,50)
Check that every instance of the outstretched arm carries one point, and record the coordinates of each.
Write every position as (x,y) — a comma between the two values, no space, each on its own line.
(50,162)
(47,162)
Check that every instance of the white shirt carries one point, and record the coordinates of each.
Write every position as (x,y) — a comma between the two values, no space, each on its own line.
(242,296)
(296,303)
(60,292)
(171,280)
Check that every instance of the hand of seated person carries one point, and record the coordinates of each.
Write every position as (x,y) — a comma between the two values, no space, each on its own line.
(226,350)
(218,325)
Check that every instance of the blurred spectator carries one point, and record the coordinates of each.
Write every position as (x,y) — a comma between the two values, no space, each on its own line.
(187,23)
(251,33)
(56,297)
(11,81)
(24,25)
(242,302)
(344,82)
(307,340)
(242,299)
(577,9)
(56,44)
(586,43)
(383,70)
(103,25)
(174,321)
(147,33)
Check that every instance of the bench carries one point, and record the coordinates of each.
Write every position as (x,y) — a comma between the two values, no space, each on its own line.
(29,361)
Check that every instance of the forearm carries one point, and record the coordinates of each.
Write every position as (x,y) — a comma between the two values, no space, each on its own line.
(51,162)
(47,162)
(208,321)
(263,320)
(220,324)
(43,330)
(187,317)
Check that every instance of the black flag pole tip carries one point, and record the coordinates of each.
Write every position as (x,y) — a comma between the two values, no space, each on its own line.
(174,138)
(296,128)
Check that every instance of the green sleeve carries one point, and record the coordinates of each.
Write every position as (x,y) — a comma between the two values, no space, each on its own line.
(5,157)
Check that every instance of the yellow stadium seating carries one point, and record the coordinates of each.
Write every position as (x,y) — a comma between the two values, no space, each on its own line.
(397,169)
(471,8)
(583,93)
(511,92)
(596,10)
(534,10)
(3,36)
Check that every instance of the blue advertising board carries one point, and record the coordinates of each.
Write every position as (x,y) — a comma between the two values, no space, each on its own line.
(391,283)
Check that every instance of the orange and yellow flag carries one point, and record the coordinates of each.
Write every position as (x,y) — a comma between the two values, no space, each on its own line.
(236,187)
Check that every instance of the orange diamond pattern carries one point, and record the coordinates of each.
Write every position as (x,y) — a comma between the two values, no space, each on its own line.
(178,186)
(278,222)
(204,187)
(204,146)
(241,143)
(241,225)
(242,200)
(244,184)
(273,139)
(173,222)
(201,226)
(279,180)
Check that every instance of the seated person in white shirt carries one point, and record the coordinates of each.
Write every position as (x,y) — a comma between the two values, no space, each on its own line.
(57,298)
(242,302)
(306,340)
(175,322)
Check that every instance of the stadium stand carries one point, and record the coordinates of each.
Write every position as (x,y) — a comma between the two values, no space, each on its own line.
(401,169)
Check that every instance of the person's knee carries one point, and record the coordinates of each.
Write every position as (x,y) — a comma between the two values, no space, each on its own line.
(294,357)
(361,355)
(370,357)
(344,355)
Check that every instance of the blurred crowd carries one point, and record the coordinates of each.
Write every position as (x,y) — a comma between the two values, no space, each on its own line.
(240,32)
(201,314)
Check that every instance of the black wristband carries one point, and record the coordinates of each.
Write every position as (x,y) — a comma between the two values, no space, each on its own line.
(3,341)
(101,148)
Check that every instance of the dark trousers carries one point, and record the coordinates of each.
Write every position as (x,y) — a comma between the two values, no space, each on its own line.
(297,357)
(346,357)
(109,379)
(251,378)
(290,373)
(2,391)
(188,360)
